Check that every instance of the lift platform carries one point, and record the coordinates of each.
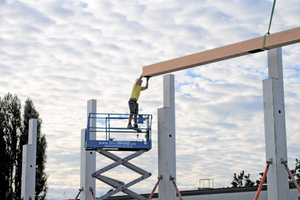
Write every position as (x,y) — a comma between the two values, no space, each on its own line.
(112,132)
(113,135)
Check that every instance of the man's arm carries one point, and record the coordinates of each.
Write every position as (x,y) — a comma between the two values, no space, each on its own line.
(146,87)
(137,82)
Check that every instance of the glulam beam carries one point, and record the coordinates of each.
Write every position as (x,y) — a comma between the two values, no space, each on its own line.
(251,46)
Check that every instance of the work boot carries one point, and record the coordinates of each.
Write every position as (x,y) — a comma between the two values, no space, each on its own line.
(130,126)
(136,126)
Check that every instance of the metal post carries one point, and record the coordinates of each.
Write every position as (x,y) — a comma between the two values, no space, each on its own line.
(166,141)
(29,163)
(275,131)
(88,158)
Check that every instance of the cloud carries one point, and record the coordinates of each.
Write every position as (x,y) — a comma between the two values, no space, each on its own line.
(63,53)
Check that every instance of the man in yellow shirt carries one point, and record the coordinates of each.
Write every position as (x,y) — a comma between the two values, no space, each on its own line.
(133,105)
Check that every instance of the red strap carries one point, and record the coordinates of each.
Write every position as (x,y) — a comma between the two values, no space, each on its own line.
(292,177)
(180,197)
(262,181)
(93,194)
(149,198)
(78,194)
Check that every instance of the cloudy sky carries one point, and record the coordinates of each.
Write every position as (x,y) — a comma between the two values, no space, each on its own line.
(61,53)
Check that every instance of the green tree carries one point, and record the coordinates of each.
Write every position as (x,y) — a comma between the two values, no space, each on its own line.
(248,182)
(238,180)
(41,177)
(13,135)
(4,155)
(296,172)
(11,128)
(234,182)
(241,180)
(260,178)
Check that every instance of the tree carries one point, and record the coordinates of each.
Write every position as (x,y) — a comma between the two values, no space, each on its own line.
(13,135)
(41,177)
(296,172)
(234,183)
(241,180)
(260,178)
(248,182)
(4,156)
(238,180)
(10,129)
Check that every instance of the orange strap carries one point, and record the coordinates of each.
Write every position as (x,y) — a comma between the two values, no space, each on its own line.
(262,181)
(149,198)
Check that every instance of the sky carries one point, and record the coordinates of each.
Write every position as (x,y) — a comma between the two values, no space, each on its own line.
(62,53)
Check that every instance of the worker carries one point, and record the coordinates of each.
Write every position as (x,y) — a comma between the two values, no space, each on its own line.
(133,105)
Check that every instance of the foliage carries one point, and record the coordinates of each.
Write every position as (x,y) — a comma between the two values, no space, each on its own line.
(13,135)
(259,180)
(241,180)
(296,172)
(10,112)
(248,182)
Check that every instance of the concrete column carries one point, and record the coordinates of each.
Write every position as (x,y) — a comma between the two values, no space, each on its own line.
(166,141)
(88,158)
(29,163)
(275,131)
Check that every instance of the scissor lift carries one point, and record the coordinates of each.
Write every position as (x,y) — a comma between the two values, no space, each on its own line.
(114,137)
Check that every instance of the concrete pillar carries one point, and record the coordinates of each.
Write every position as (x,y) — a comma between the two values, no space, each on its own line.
(29,163)
(275,131)
(166,141)
(88,159)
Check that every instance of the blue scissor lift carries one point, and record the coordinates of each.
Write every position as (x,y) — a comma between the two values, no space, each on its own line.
(113,136)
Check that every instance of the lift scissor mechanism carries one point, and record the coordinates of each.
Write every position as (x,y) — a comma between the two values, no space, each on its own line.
(119,185)
(114,137)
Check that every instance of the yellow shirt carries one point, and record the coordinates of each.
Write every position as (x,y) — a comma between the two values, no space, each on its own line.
(136,91)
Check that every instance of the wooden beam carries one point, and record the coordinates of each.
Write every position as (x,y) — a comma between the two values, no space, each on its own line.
(255,45)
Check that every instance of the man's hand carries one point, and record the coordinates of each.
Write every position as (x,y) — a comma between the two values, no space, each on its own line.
(146,87)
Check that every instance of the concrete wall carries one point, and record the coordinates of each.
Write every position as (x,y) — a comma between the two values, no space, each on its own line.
(294,195)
